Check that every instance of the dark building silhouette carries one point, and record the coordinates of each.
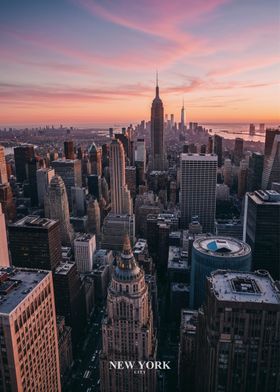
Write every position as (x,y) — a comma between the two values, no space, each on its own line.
(94,186)
(238,334)
(70,298)
(218,148)
(35,243)
(255,172)
(157,133)
(23,154)
(69,149)
(32,167)
(238,150)
(262,230)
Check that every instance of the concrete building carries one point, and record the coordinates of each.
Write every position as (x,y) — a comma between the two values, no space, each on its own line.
(198,189)
(23,154)
(35,243)
(238,333)
(229,228)
(29,343)
(78,201)
(95,158)
(4,252)
(134,338)
(262,230)
(120,196)
(56,207)
(84,248)
(271,170)
(130,174)
(44,177)
(178,269)
(213,253)
(70,171)
(142,256)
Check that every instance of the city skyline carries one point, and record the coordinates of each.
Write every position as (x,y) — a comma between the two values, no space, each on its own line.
(79,61)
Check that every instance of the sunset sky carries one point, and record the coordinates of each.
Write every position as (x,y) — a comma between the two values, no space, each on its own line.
(94,61)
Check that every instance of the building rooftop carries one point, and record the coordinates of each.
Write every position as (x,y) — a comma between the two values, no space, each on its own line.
(198,157)
(140,246)
(269,197)
(84,237)
(257,287)
(189,320)
(180,287)
(16,284)
(221,246)
(64,267)
(34,221)
(177,258)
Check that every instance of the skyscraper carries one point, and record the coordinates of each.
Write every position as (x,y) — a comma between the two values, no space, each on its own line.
(157,133)
(4,253)
(29,344)
(71,173)
(84,247)
(238,334)
(255,171)
(95,158)
(198,189)
(44,177)
(69,149)
(93,214)
(182,124)
(262,230)
(242,178)
(3,167)
(271,170)
(23,154)
(120,195)
(238,150)
(56,207)
(35,243)
(127,329)
(218,148)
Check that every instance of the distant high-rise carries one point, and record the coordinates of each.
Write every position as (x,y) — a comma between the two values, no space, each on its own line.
(227,172)
(120,195)
(140,161)
(31,167)
(71,173)
(56,207)
(218,148)
(255,171)
(94,186)
(4,253)
(7,201)
(35,243)
(95,158)
(23,154)
(242,178)
(262,230)
(182,124)
(127,330)
(29,344)
(198,189)
(157,133)
(3,167)
(69,149)
(238,334)
(238,150)
(44,177)
(213,253)
(271,170)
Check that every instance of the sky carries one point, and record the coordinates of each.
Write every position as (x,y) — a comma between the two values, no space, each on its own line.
(95,61)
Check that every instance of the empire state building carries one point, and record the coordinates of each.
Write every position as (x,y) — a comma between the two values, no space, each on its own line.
(157,136)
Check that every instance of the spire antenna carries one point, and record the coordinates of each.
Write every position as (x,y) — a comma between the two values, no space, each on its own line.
(157,88)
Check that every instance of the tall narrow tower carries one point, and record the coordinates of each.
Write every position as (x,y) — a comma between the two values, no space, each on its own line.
(120,195)
(56,207)
(157,135)
(183,117)
(127,330)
